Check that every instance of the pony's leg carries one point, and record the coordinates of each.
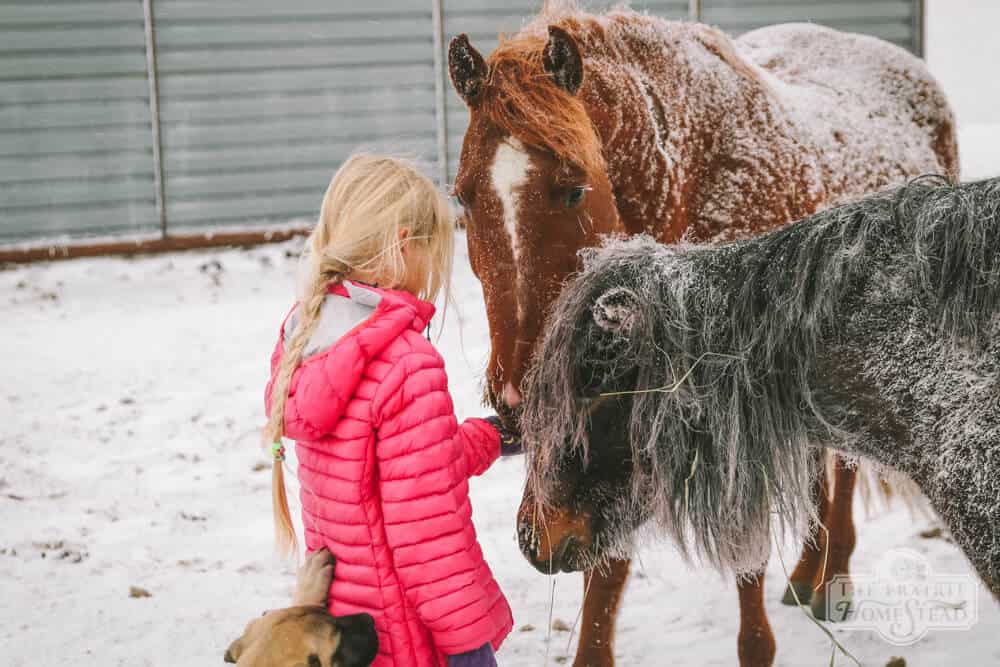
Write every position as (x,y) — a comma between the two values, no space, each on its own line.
(755,644)
(603,588)
(814,552)
(841,538)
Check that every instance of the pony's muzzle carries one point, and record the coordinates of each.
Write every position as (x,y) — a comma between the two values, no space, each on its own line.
(564,558)
(553,540)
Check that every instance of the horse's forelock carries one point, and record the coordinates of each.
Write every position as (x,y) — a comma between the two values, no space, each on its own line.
(558,402)
(554,422)
(521,98)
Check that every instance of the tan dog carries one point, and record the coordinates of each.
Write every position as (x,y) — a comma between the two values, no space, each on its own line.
(305,634)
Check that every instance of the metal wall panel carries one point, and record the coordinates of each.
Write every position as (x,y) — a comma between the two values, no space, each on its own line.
(892,20)
(260,101)
(75,126)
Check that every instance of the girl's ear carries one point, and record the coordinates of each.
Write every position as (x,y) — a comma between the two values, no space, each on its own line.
(404,247)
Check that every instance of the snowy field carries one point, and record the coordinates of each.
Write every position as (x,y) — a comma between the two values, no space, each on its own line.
(130,412)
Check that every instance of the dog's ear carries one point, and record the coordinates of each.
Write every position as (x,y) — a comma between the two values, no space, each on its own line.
(234,651)
(241,644)
(358,641)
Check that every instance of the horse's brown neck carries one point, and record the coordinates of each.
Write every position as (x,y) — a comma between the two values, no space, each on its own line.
(646,175)
(671,123)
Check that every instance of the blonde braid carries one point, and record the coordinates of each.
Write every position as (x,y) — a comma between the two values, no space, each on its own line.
(309,316)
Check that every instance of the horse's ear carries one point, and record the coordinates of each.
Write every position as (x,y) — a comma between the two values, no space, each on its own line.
(467,69)
(562,60)
(616,310)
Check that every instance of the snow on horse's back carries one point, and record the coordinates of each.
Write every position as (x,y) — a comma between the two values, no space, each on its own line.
(858,112)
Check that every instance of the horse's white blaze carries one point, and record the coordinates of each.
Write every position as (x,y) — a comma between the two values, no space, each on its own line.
(508,174)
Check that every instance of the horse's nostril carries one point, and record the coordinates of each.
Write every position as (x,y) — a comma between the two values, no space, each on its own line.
(526,540)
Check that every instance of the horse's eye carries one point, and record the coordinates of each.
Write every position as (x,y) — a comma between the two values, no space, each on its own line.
(574,196)
(458,198)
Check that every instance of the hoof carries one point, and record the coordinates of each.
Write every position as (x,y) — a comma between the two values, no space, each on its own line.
(840,609)
(802,589)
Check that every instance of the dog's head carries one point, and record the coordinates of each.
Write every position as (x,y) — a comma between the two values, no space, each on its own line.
(305,636)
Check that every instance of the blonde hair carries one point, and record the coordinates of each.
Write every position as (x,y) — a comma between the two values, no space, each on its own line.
(369,203)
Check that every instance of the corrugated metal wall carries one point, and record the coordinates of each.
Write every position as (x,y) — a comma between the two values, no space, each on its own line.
(259,101)
(895,21)
(75,138)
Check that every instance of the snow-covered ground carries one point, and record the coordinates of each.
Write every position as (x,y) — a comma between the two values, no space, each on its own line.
(979,150)
(130,413)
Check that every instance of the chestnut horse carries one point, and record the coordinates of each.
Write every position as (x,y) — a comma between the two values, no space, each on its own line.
(583,126)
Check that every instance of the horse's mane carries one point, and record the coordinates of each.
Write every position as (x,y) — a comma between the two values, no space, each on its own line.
(521,98)
(722,343)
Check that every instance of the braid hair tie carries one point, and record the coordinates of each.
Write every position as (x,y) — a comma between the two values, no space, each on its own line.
(278,451)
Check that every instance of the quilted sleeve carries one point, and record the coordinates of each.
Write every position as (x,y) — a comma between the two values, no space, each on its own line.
(423,485)
(480,443)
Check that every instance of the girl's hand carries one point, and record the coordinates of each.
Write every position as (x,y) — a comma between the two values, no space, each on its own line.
(510,441)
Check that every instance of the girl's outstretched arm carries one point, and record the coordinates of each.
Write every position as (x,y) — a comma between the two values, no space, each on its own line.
(480,441)
(423,468)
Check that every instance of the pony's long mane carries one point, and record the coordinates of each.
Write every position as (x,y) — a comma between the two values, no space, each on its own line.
(721,344)
(521,97)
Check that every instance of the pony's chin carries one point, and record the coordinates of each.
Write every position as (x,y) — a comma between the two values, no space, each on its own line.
(563,567)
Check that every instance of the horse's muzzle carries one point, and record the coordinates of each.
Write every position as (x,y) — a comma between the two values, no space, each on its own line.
(563,559)
(553,540)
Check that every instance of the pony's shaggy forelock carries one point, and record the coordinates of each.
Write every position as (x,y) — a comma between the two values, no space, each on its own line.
(722,344)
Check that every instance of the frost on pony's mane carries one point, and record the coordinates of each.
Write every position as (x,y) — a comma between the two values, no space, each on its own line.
(743,344)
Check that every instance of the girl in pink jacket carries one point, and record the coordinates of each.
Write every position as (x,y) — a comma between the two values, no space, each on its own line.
(382,462)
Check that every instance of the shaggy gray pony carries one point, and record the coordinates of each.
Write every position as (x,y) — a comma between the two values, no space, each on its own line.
(686,387)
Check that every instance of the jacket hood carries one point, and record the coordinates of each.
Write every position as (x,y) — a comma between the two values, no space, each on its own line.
(337,355)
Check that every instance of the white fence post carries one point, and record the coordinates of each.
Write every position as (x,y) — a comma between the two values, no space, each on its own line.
(154,112)
(440,102)
(919,28)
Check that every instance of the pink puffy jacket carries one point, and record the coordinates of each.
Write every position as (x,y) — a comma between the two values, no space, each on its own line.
(384,469)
